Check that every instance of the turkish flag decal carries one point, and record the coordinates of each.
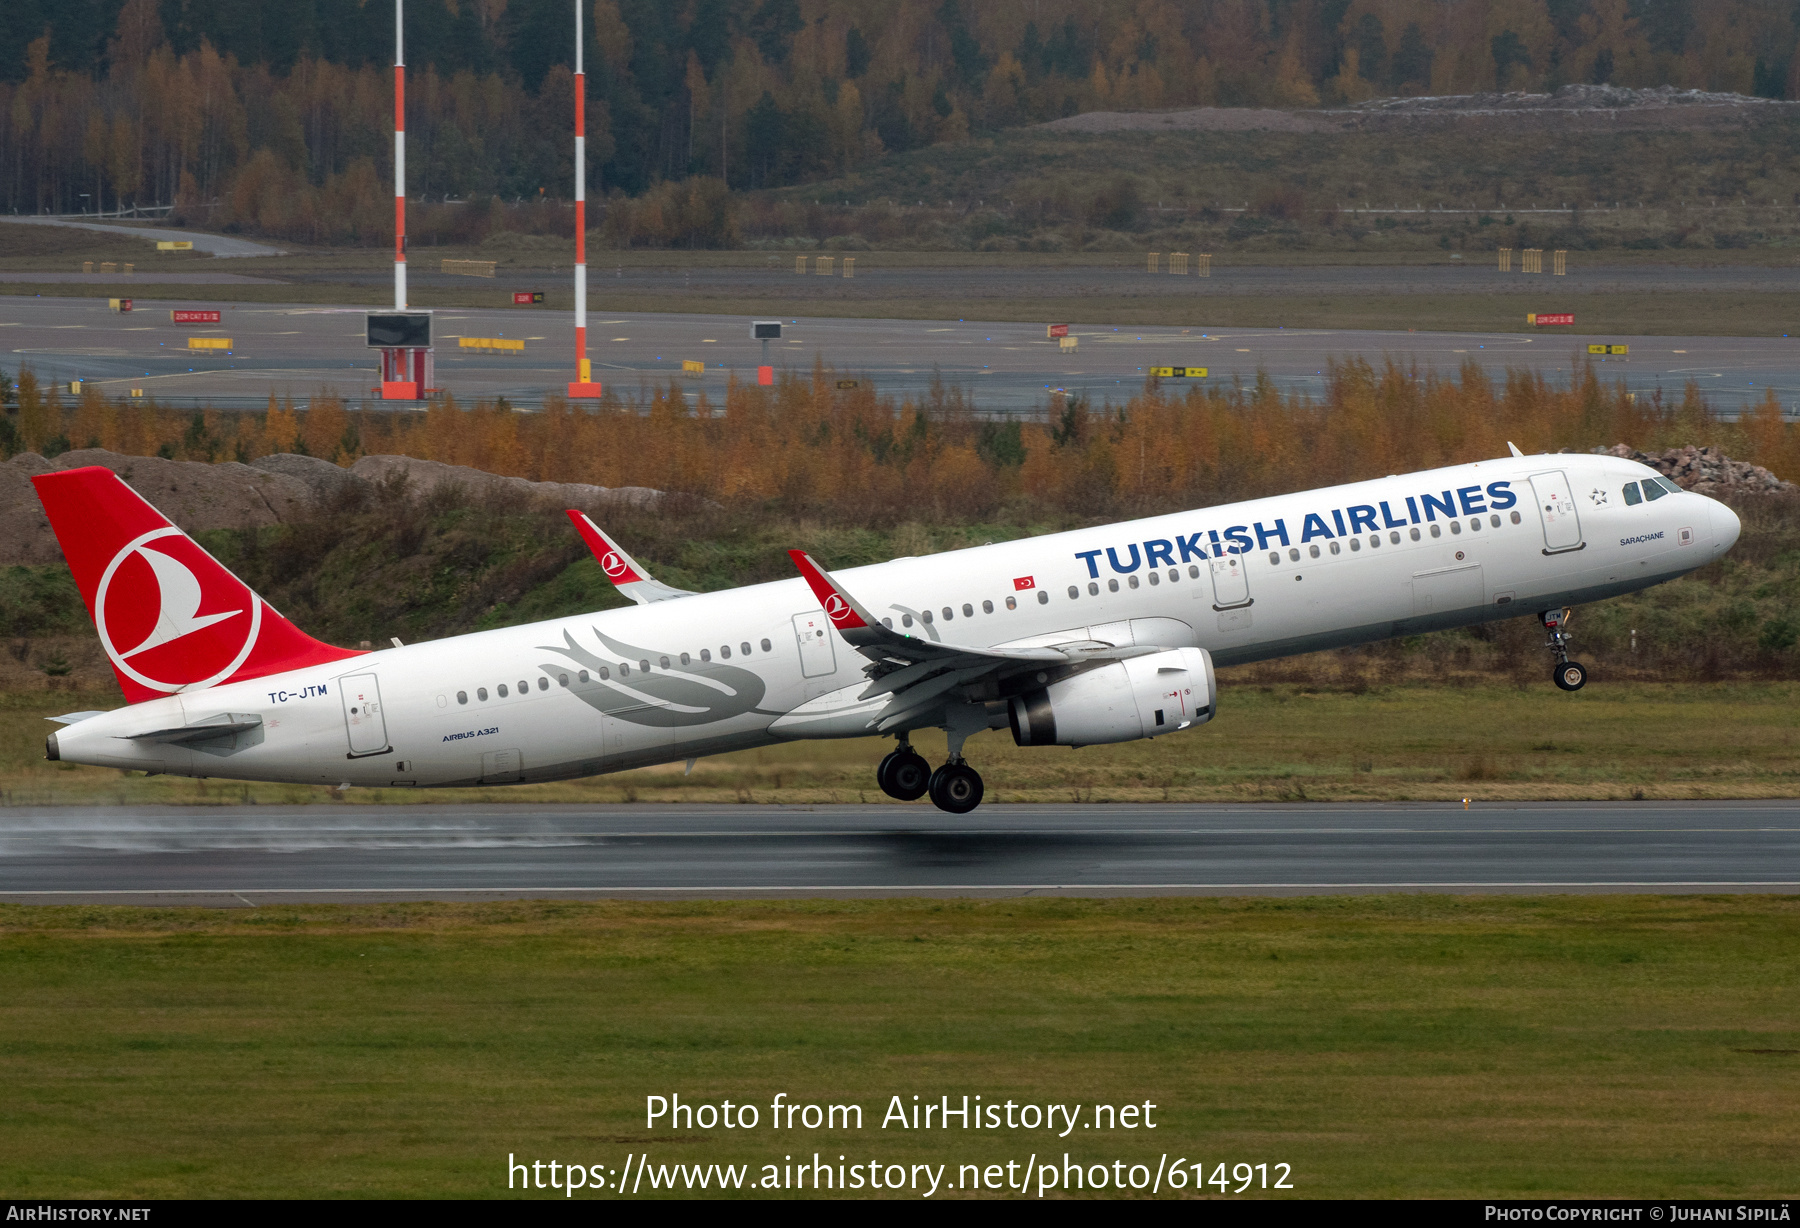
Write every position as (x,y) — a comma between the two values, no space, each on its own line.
(1021,583)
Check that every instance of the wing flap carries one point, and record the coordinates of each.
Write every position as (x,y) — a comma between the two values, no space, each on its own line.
(924,676)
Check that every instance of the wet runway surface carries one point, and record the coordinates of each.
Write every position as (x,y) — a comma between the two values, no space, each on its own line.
(299,351)
(243,856)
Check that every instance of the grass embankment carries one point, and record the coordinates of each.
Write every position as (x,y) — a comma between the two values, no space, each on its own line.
(1270,742)
(1405,1046)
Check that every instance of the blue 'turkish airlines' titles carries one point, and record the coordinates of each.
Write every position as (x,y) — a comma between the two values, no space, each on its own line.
(1316,526)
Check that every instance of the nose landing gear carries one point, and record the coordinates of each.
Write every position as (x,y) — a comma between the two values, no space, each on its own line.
(1568,675)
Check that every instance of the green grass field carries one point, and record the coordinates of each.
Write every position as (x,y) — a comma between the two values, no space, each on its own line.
(1411,1046)
(1352,740)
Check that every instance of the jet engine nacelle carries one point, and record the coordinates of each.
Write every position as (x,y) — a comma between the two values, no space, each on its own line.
(1143,697)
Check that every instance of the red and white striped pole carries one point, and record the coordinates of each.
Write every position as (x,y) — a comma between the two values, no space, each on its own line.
(584,385)
(399,156)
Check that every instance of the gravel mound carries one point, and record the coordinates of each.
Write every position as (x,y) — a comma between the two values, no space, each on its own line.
(1706,471)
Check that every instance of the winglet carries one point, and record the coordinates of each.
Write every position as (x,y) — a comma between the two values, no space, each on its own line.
(844,611)
(1514,447)
(623,570)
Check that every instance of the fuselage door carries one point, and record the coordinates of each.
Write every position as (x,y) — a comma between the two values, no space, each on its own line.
(1556,507)
(813,632)
(363,719)
(1231,582)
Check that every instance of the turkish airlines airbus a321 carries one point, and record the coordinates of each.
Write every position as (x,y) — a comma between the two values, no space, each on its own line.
(1072,639)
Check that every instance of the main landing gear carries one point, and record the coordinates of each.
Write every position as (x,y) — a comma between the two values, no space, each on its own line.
(1568,675)
(904,775)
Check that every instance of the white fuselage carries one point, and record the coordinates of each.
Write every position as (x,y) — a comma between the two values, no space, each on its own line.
(1247,581)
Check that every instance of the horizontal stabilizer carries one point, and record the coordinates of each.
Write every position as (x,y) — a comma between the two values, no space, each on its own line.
(222,725)
(71,718)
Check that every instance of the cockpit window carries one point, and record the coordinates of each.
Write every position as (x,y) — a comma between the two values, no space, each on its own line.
(1653,489)
(1632,495)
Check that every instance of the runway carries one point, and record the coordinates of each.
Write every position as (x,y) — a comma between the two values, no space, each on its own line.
(249,856)
(299,351)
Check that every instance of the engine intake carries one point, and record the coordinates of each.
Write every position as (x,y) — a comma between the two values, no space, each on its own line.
(1143,697)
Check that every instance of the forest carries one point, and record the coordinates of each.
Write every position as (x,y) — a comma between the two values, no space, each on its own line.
(277,119)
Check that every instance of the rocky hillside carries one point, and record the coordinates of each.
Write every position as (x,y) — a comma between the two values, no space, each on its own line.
(275,490)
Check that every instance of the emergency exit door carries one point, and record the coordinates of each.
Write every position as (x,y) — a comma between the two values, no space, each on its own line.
(363,718)
(1231,582)
(1556,508)
(813,632)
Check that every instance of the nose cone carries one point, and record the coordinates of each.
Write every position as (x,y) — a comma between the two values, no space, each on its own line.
(1726,527)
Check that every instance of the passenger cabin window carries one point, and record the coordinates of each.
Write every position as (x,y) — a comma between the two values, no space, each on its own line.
(462,697)
(725,652)
(1475,525)
(1174,574)
(987,607)
(1132,581)
(644,665)
(1193,571)
(1073,592)
(765,646)
(888,623)
(544,683)
(1274,558)
(1415,532)
(1093,588)
(745,648)
(1355,544)
(1493,521)
(1374,541)
(1043,596)
(1455,527)
(481,693)
(501,690)
(968,610)
(1012,603)
(926,615)
(949,613)
(906,620)
(1112,586)
(582,676)
(706,654)
(1394,537)
(1437,530)
(663,661)
(562,680)
(1155,578)
(1336,549)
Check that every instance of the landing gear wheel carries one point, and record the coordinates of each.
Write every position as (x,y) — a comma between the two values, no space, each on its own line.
(1570,675)
(904,775)
(956,787)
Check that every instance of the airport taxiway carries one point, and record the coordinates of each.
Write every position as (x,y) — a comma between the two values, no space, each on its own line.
(299,351)
(243,856)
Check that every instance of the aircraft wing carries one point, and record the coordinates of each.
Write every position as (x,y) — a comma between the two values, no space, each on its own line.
(927,676)
(623,570)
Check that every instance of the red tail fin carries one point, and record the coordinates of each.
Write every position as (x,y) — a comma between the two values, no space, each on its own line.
(169,616)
